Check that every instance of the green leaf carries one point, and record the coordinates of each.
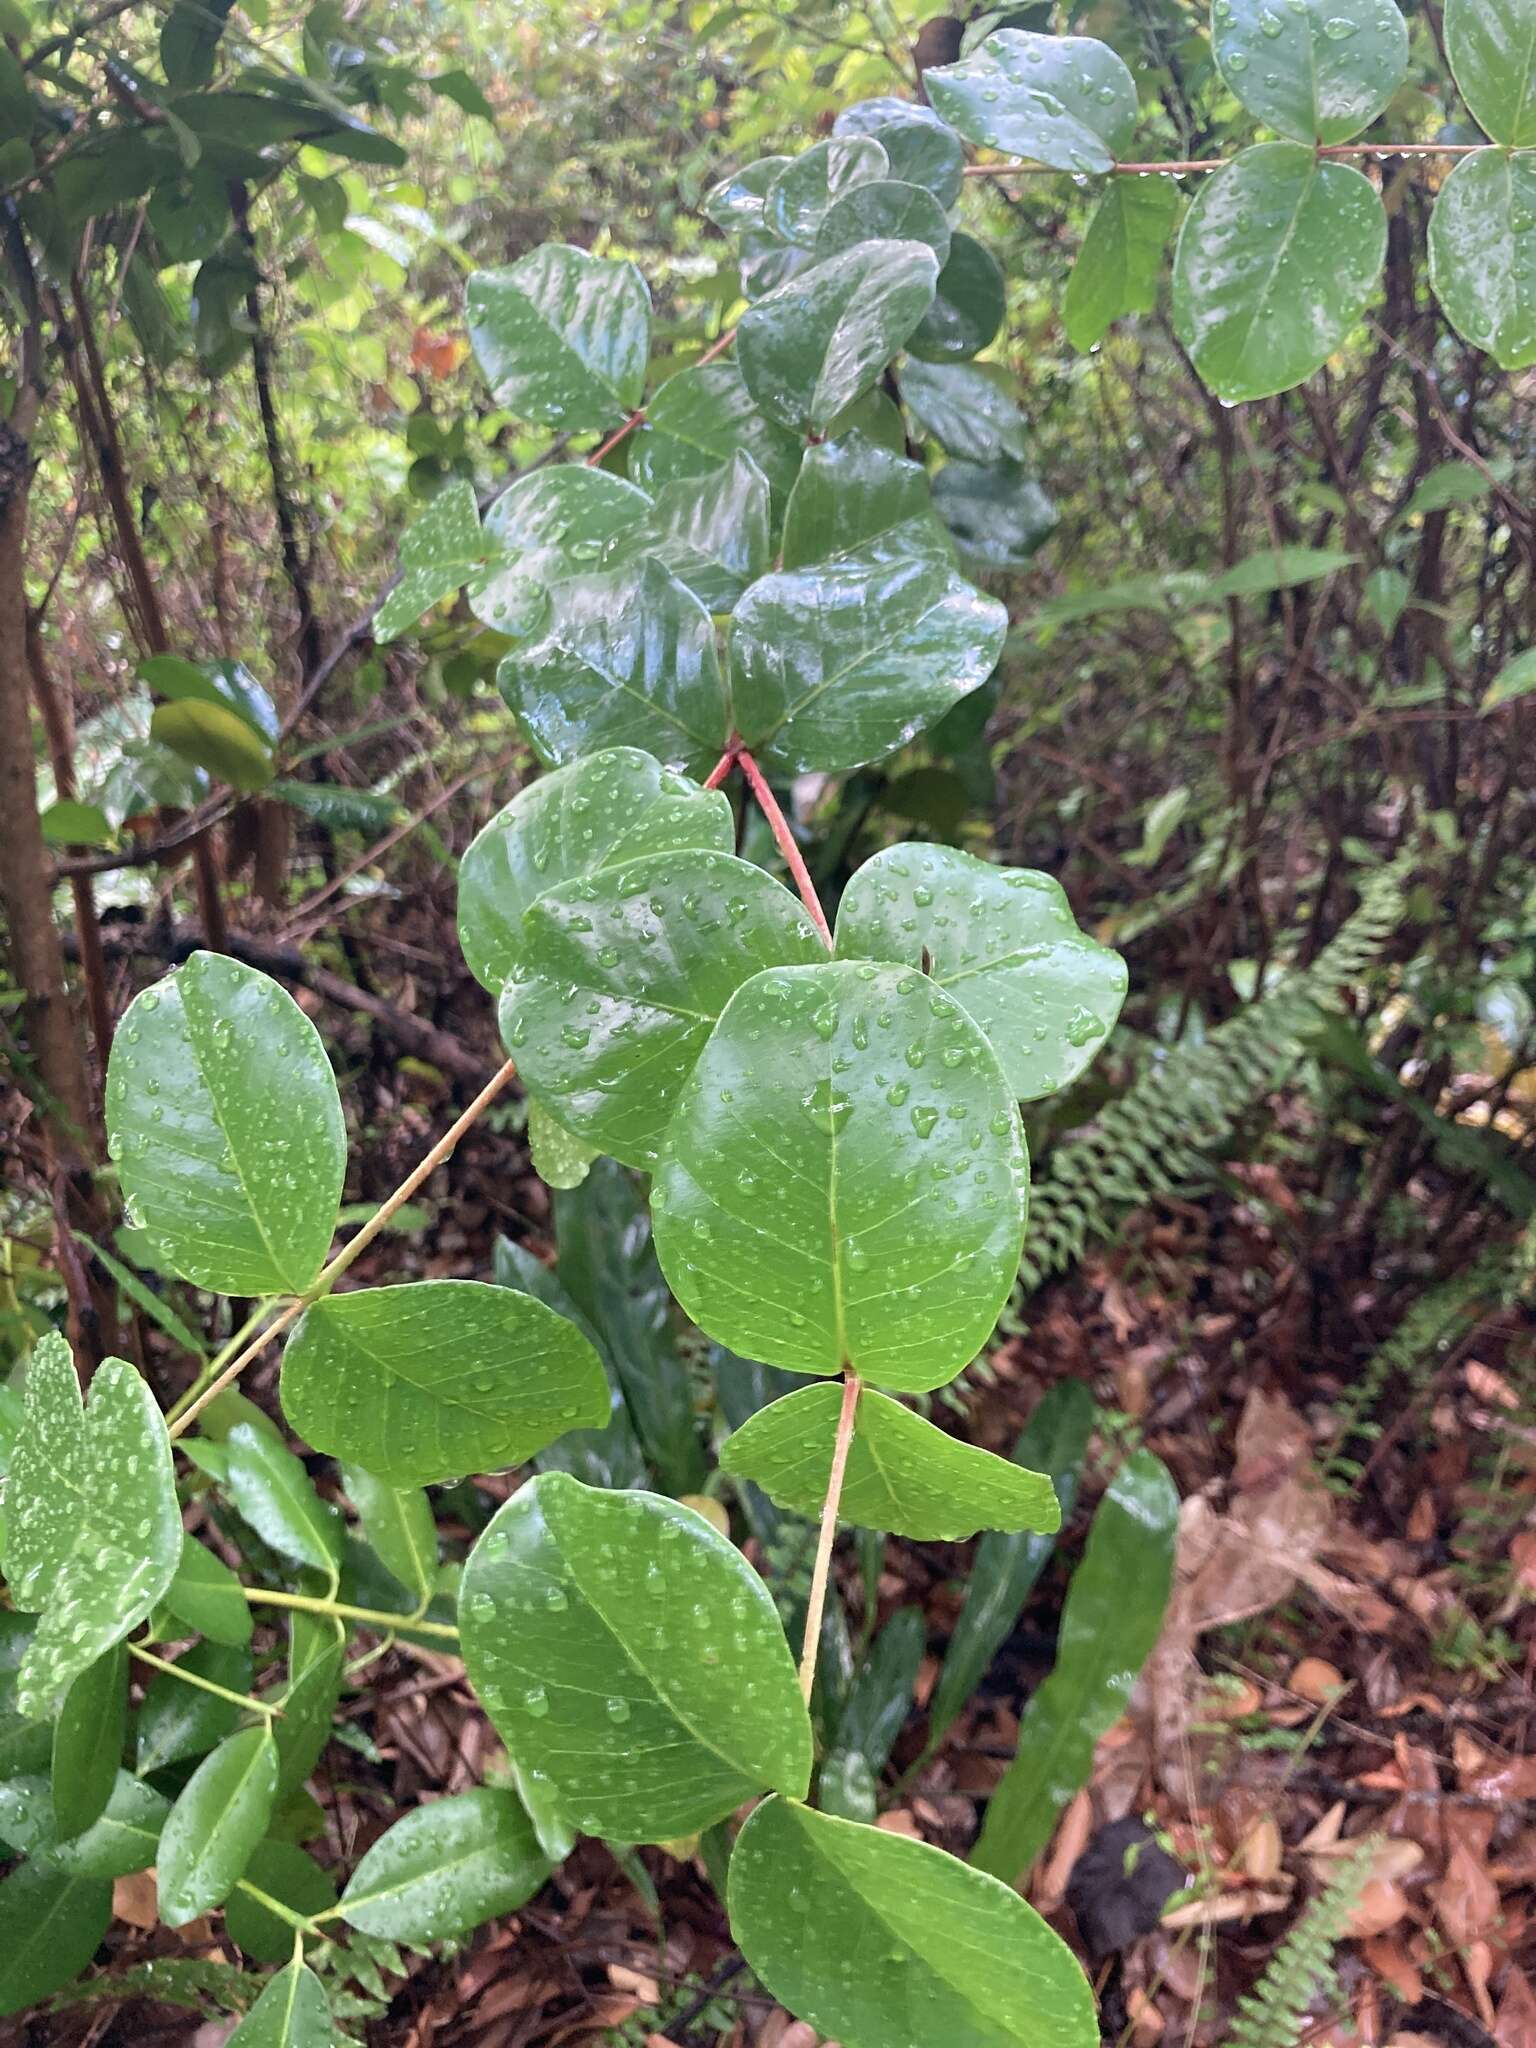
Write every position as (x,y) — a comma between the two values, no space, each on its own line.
(213,737)
(1482,254)
(88,1742)
(1491,45)
(398,1523)
(842,663)
(879,1940)
(968,307)
(244,1201)
(316,1660)
(1516,678)
(284,1873)
(737,201)
(178,1720)
(885,210)
(271,1490)
(710,532)
(1003,942)
(1447,484)
(998,516)
(93,1526)
(1119,266)
(445,1868)
(1114,1609)
(206,1595)
(72,824)
(227,684)
(601,811)
(797,201)
(291,2012)
(849,1140)
(51,1924)
(545,527)
(921,149)
(1275,261)
(189,40)
(903,1475)
(623,978)
(1066,101)
(1319,71)
(1055,1441)
(701,418)
(631,1659)
(125,1839)
(1274,569)
(559,1157)
(440,551)
(852,494)
(1385,593)
(880,1698)
(816,343)
(437,1379)
(628,658)
(966,410)
(220,1816)
(562,337)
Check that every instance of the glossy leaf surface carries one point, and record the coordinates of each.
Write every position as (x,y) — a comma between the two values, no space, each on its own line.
(843,662)
(812,346)
(885,210)
(624,976)
(271,1490)
(124,1839)
(206,1595)
(997,515)
(398,1524)
(1066,101)
(607,808)
(562,337)
(1113,1612)
(1119,266)
(437,1379)
(1491,45)
(1003,942)
(736,202)
(1276,259)
(711,532)
(88,1742)
(235,1175)
(213,738)
(796,202)
(903,1475)
(879,1940)
(967,309)
(1315,72)
(219,1817)
(921,148)
(283,1872)
(701,418)
(447,1867)
(854,497)
(559,1157)
(966,410)
(1482,254)
(291,2012)
(631,1660)
(545,527)
(442,549)
(848,1140)
(51,1924)
(627,659)
(178,1720)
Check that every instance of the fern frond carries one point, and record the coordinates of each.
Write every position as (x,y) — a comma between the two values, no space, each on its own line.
(1273,2014)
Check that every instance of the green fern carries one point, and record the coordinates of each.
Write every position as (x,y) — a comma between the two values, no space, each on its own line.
(1273,2014)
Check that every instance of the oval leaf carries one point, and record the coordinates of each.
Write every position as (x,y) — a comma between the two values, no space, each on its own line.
(904,1475)
(271,1490)
(398,1524)
(206,1595)
(51,1924)
(920,148)
(545,527)
(220,1060)
(701,418)
(796,202)
(212,736)
(284,1873)
(710,532)
(291,2013)
(1313,70)
(1491,45)
(886,210)
(967,309)
(1066,101)
(966,409)
(848,1140)
(630,1659)
(88,1743)
(437,1379)
(220,1816)
(879,1940)
(1119,266)
(562,337)
(440,550)
(1482,254)
(177,1719)
(854,497)
(446,1867)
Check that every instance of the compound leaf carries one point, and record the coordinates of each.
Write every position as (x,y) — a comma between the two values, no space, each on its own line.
(854,497)
(562,337)
(701,418)
(446,1867)
(711,532)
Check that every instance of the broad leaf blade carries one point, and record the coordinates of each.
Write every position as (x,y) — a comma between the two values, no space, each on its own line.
(562,337)
(441,550)
(271,1490)
(446,1867)
(398,1524)
(710,532)
(854,497)
(1119,266)
(1491,45)
(631,1658)
(178,1720)
(206,1595)
(220,1816)
(1066,101)
(968,307)
(998,516)
(701,418)
(88,1742)
(284,1873)
(966,409)
(550,525)
(125,1839)
(292,2012)
(51,1924)
(921,148)
(796,202)
(1319,71)
(1482,254)
(886,210)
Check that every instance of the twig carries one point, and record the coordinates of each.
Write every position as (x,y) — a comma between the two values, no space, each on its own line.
(768,804)
(636,418)
(821,1569)
(1177,166)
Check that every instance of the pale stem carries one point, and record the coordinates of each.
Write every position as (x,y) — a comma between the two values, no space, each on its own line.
(372,1617)
(427,1165)
(821,1570)
(220,1692)
(221,1358)
(299,1922)
(1177,166)
(768,804)
(716,348)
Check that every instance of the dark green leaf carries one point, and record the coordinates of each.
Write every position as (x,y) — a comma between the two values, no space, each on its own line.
(886,210)
(398,1524)
(998,515)
(1066,101)
(271,1490)
(967,310)
(125,1839)
(292,2012)
(1482,254)
(88,1742)
(446,1867)
(178,1720)
(1119,265)
(189,40)
(50,1926)
(632,1659)
(797,201)
(701,418)
(921,149)
(283,1872)
(737,201)
(1317,71)
(548,526)
(206,1595)
(1491,45)
(851,494)
(227,684)
(562,337)
(215,1824)
(966,409)
(710,532)
(1274,569)
(880,1698)
(316,1657)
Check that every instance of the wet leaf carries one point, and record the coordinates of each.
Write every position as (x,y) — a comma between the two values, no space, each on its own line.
(1491,45)
(562,337)
(853,497)
(212,737)
(441,550)
(920,148)
(177,1720)
(702,417)
(1318,71)
(558,1156)
(1119,267)
(1066,101)
(291,2012)
(710,532)
(206,1595)
(271,1490)
(1482,254)
(967,309)
(550,525)
(885,210)
(51,1924)
(125,1839)
(283,1872)
(215,1824)
(796,202)
(737,201)
(88,1742)
(446,1867)
(398,1524)
(998,516)
(966,410)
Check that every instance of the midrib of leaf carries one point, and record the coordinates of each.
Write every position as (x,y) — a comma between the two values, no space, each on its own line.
(568,355)
(416,1878)
(1280,253)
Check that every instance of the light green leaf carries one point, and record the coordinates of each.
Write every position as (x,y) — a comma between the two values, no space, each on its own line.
(842,663)
(1482,254)
(1491,45)
(737,201)
(285,1873)
(1275,261)
(440,551)
(1275,569)
(1516,678)
(1001,941)
(796,202)
(1385,593)
(211,736)
(631,1659)
(903,1475)
(921,149)
(271,1490)
(601,811)
(51,1924)
(1317,71)
(701,418)
(885,210)
(562,337)
(967,309)
(999,516)
(879,1940)
(851,495)
(816,343)
(445,1868)
(398,1523)
(215,1824)
(88,1742)
(178,1720)
(1113,1612)
(545,527)
(627,659)
(1119,266)
(437,1379)
(228,684)
(560,1158)
(1447,484)
(849,1140)
(72,824)
(93,1526)
(126,1838)
(623,978)
(966,409)
(291,2012)
(220,1058)
(1066,101)
(711,532)
(206,1595)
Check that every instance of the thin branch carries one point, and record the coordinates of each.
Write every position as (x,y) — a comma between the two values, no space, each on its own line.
(1177,166)
(306,1603)
(821,1570)
(636,418)
(220,1692)
(768,804)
